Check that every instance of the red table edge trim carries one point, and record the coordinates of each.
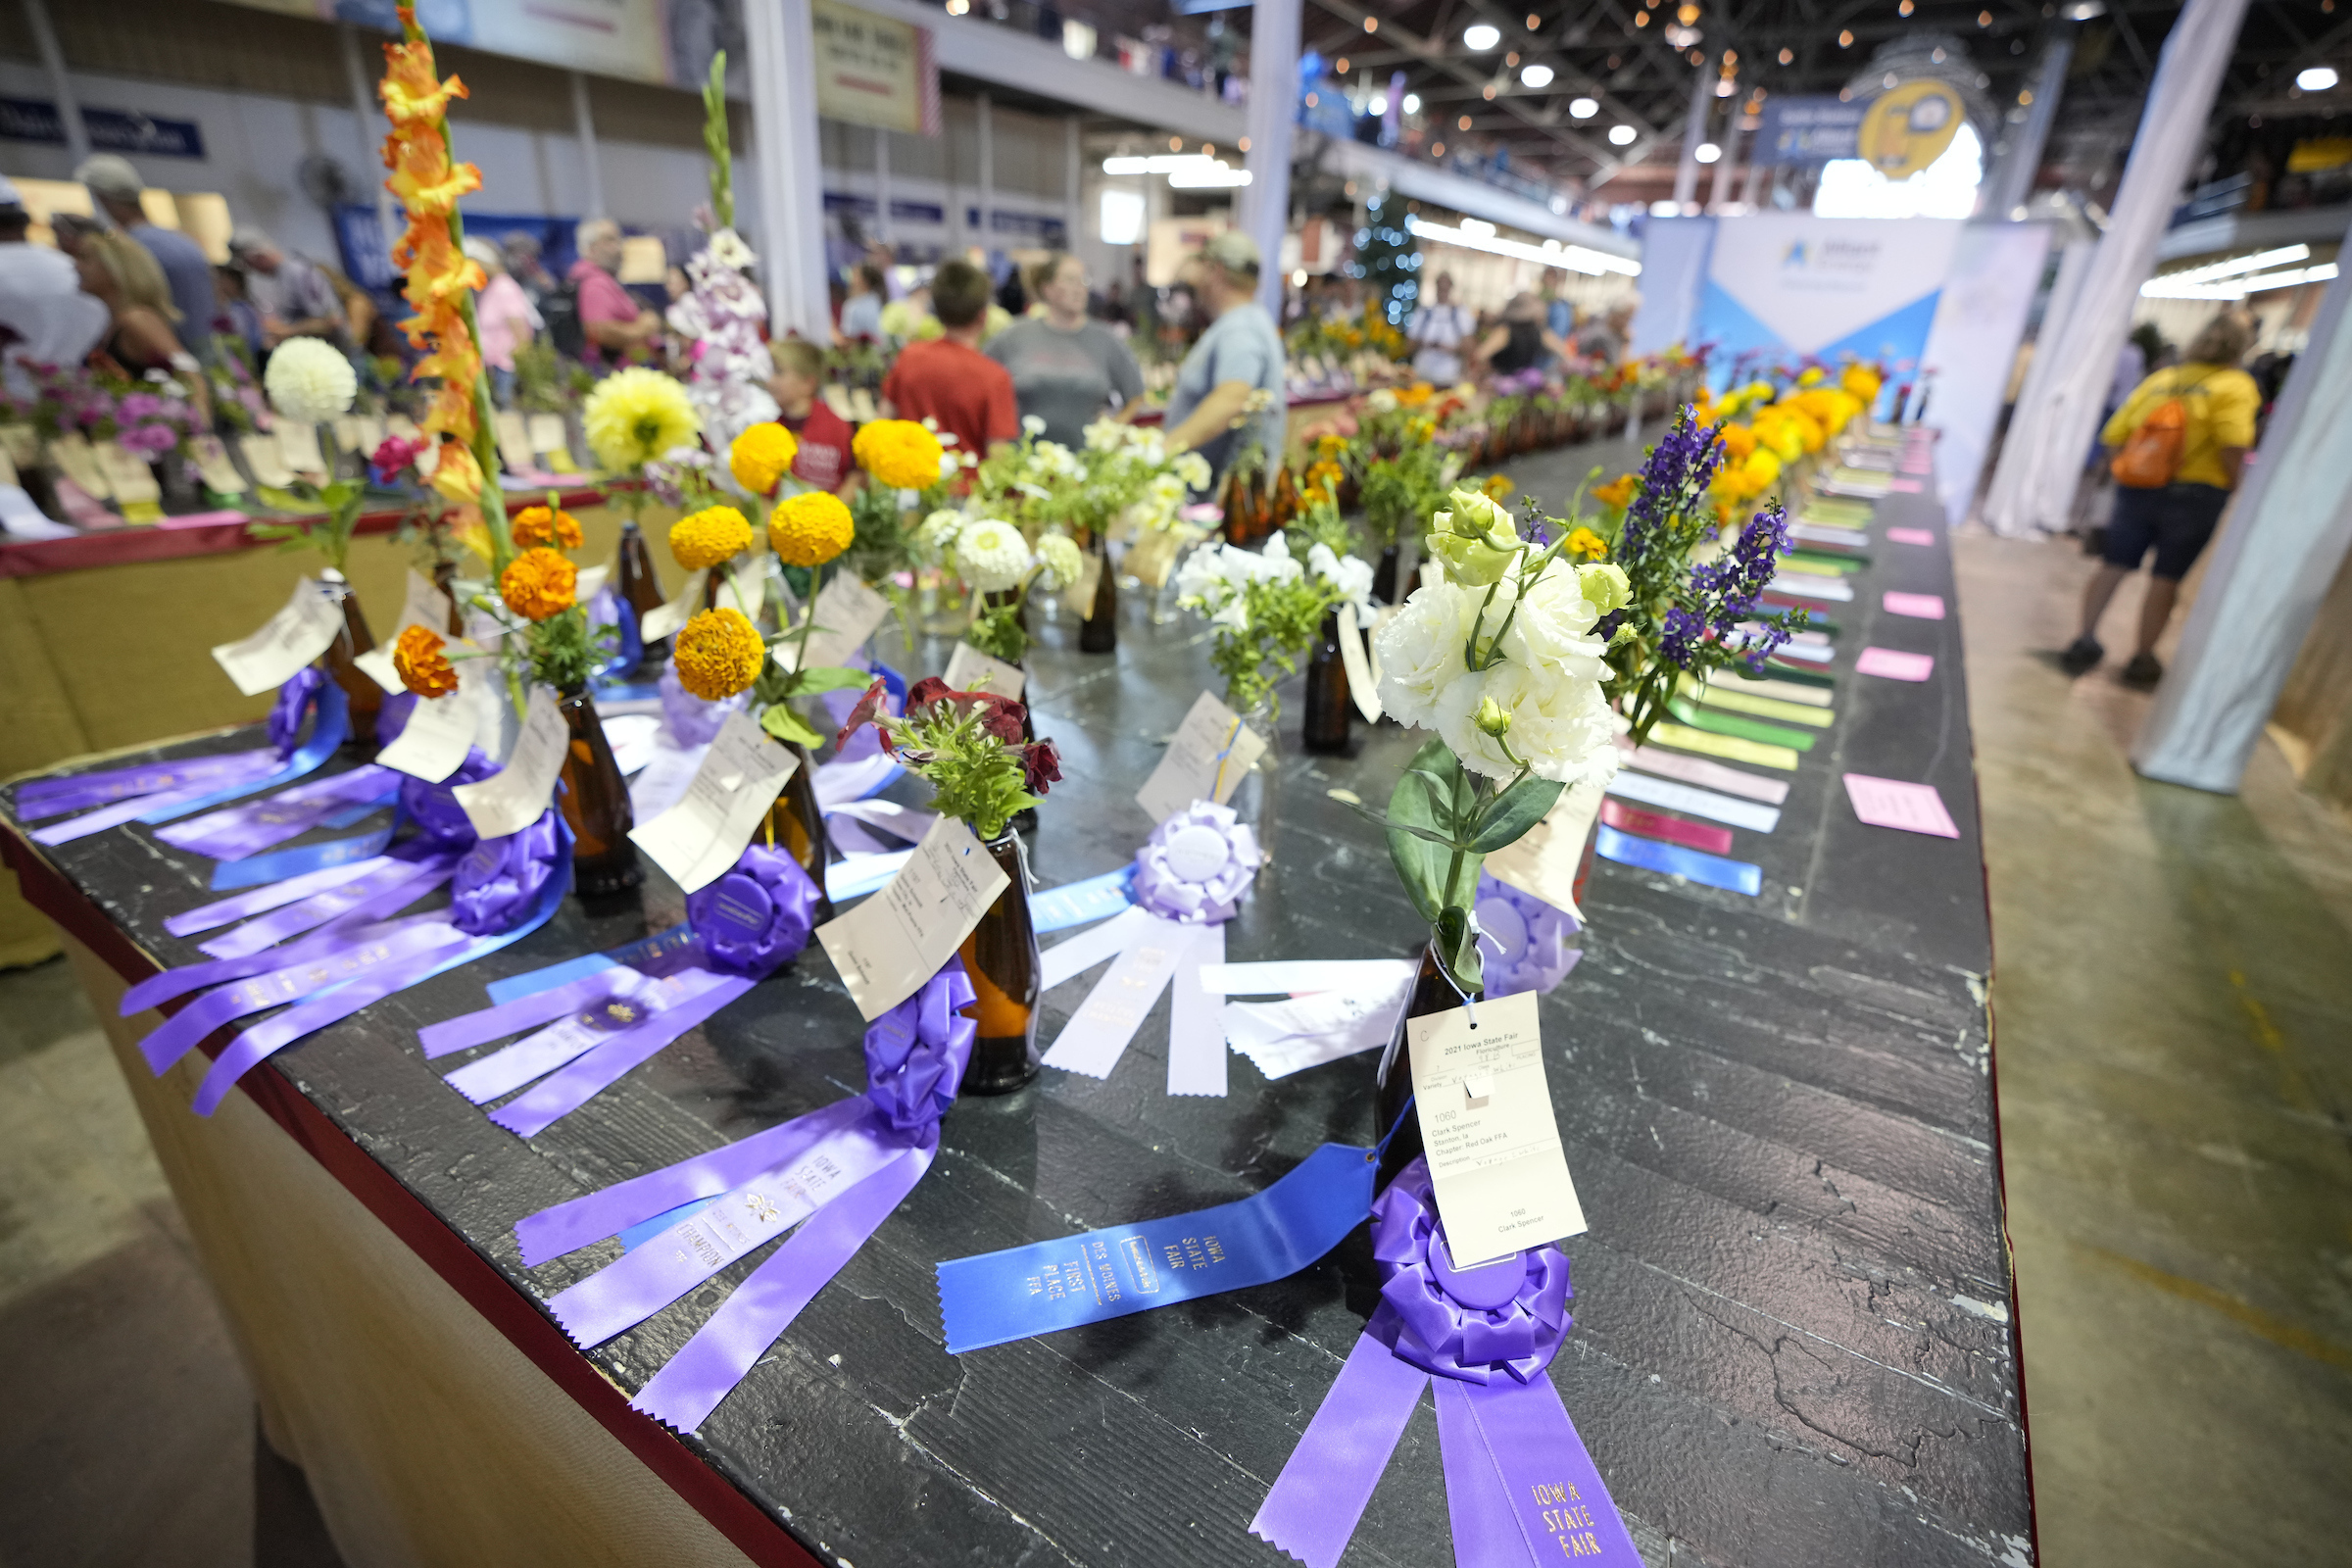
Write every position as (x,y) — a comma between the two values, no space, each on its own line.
(733,1513)
(138,544)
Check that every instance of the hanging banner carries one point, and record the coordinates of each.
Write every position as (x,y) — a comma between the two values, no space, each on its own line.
(874,70)
(1808,130)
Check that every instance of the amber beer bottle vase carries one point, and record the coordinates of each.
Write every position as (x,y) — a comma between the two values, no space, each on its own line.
(595,801)
(1098,632)
(365,697)
(1328,699)
(639,588)
(1000,956)
(796,824)
(1433,994)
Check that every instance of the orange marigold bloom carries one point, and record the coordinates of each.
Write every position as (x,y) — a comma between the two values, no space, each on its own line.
(538,584)
(1618,491)
(421,659)
(537,525)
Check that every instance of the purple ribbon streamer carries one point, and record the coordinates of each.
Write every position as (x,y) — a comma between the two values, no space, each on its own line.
(513,1017)
(561,1093)
(1312,1511)
(1520,1488)
(374,892)
(1524,940)
(270,896)
(633,1001)
(237,831)
(50,797)
(122,812)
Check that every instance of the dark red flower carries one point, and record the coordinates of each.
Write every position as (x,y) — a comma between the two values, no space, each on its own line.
(393,455)
(869,705)
(1001,717)
(1041,766)
(930,689)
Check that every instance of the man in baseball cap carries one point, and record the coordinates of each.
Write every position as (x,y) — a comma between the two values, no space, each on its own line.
(115,185)
(1240,355)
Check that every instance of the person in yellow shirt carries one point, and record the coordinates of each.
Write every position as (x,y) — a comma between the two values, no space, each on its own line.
(2177,519)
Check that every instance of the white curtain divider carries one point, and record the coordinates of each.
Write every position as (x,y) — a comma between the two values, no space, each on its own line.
(2277,556)
(2049,438)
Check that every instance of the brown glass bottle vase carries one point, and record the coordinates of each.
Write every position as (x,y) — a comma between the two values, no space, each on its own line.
(1001,955)
(595,801)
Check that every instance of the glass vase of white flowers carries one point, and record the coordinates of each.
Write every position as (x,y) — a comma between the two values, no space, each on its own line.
(1501,657)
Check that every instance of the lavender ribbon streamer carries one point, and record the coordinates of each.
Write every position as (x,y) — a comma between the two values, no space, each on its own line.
(561,1093)
(270,896)
(393,875)
(293,698)
(330,728)
(129,810)
(51,796)
(1524,940)
(633,1001)
(1197,865)
(234,832)
(1520,1487)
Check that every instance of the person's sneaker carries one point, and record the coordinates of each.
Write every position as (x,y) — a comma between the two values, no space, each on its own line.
(2081,655)
(2144,671)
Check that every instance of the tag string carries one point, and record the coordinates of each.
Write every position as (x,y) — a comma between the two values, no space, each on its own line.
(1395,1127)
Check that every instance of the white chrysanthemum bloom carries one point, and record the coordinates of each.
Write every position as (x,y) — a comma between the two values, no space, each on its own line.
(1192,468)
(308,381)
(1063,561)
(728,250)
(1421,651)
(1170,488)
(992,555)
(1383,401)
(1559,728)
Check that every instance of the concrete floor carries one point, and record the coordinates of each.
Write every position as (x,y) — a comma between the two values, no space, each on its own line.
(2174,1048)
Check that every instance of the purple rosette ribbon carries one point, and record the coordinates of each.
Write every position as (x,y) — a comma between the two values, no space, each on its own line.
(836,1173)
(1520,1488)
(1524,940)
(691,721)
(1197,865)
(587,1033)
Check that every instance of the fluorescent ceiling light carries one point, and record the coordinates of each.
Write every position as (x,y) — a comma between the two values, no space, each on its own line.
(1583,108)
(2176,286)
(1218,177)
(1480,36)
(1538,76)
(1567,257)
(2236,265)
(1478,226)
(1178,166)
(2316,79)
(1707,151)
(1622,135)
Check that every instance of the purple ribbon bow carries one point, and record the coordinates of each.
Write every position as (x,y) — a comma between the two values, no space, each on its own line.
(293,701)
(1197,865)
(746,925)
(842,1170)
(1524,940)
(1520,1488)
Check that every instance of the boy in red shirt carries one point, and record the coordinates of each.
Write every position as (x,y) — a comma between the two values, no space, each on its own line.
(948,379)
(824,456)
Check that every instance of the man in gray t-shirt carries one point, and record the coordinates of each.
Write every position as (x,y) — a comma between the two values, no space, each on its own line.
(1066,369)
(1241,352)
(115,186)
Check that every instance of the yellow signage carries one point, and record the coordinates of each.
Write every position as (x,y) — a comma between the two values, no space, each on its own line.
(1907,128)
(873,70)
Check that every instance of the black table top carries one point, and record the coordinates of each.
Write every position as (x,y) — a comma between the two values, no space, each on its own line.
(1791,1341)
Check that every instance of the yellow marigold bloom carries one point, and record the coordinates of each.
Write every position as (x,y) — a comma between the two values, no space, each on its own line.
(707,537)
(1617,492)
(1738,440)
(1497,486)
(900,454)
(635,416)
(537,525)
(718,653)
(420,660)
(809,529)
(1330,446)
(762,456)
(1585,545)
(1762,469)
(538,584)
(1412,397)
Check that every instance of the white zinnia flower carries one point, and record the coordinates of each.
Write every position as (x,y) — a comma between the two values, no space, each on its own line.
(1064,561)
(938,530)
(1034,423)
(309,382)
(992,555)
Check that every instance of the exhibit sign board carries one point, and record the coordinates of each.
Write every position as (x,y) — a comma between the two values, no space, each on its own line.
(1789,286)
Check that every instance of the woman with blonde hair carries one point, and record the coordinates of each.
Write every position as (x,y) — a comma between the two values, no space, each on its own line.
(118,272)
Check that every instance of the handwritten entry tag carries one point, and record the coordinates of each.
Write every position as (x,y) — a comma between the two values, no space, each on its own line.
(1363,685)
(888,946)
(846,613)
(511,799)
(1494,1147)
(1207,759)
(665,619)
(971,671)
(744,588)
(440,730)
(127,475)
(699,840)
(549,438)
(1543,862)
(71,454)
(298,446)
(286,641)
(264,461)
(219,476)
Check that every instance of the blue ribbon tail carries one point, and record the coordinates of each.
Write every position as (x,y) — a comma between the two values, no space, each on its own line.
(286,864)
(330,727)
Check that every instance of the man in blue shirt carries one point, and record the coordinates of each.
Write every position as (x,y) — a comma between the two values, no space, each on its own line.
(1237,357)
(115,185)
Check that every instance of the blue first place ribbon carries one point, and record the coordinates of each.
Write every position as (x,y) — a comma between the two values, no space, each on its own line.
(997,1298)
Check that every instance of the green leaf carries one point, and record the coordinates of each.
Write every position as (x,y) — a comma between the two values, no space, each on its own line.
(1457,948)
(832,678)
(786,725)
(1516,810)
(1421,854)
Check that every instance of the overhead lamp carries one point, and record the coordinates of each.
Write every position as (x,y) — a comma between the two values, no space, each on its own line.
(1379,105)
(2254,263)
(1622,135)
(1707,151)
(1412,103)
(1478,226)
(1583,108)
(2316,79)
(1480,36)
(2086,10)
(1536,78)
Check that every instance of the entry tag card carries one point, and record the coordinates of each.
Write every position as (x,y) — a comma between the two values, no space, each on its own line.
(1542,862)
(72,453)
(1494,1147)
(129,477)
(971,671)
(439,732)
(846,613)
(1361,685)
(663,621)
(287,641)
(697,840)
(423,606)
(219,476)
(745,590)
(511,799)
(887,946)
(1207,759)
(298,445)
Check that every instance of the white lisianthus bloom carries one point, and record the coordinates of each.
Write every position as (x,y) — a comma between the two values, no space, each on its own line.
(1559,725)
(1421,651)
(1063,561)
(1553,628)
(939,530)
(1205,577)
(1106,435)
(992,555)
(309,382)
